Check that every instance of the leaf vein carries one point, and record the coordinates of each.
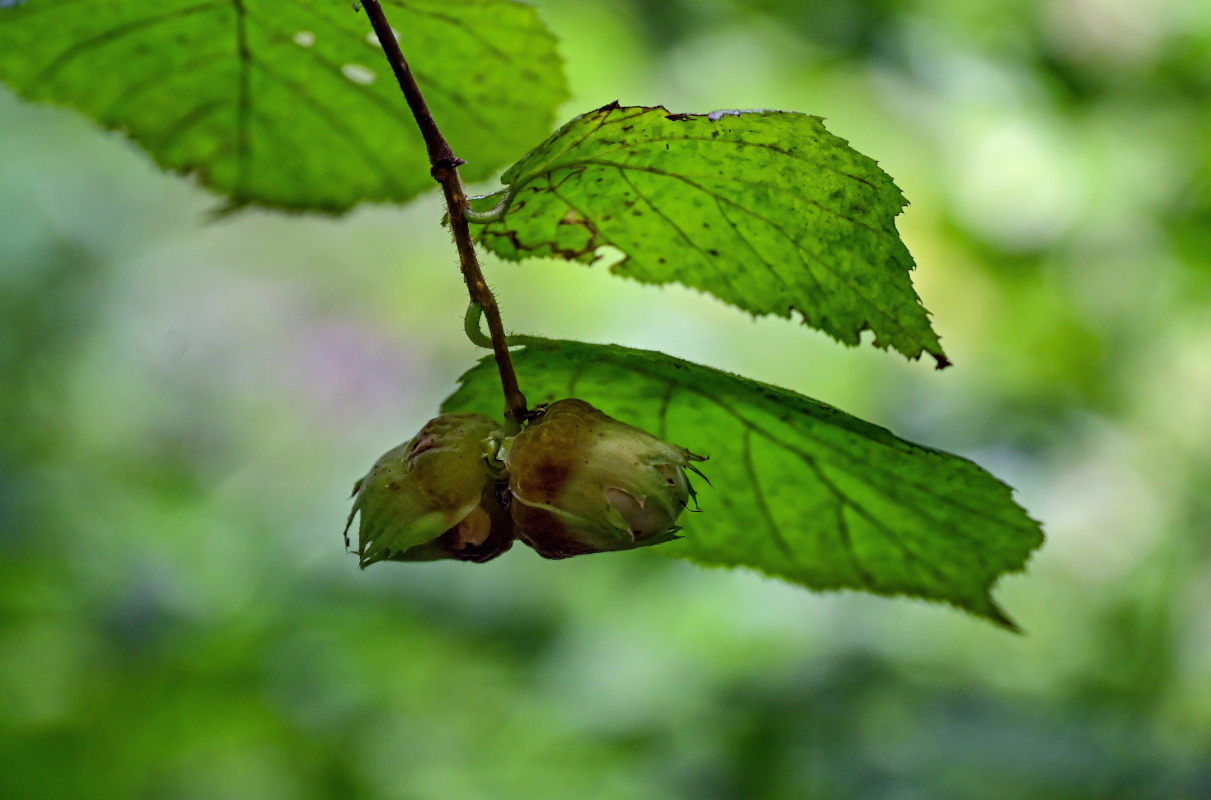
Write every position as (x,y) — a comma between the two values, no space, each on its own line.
(78,49)
(363,147)
(759,497)
(861,465)
(896,324)
(738,143)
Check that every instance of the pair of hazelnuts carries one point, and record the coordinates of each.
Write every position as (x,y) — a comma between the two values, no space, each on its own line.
(573,481)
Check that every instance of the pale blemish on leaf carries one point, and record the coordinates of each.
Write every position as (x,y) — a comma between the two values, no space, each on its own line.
(372,38)
(358,74)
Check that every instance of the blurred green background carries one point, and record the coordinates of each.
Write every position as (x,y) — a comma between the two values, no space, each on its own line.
(186,402)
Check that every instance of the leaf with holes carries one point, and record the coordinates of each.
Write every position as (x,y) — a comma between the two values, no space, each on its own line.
(800,490)
(763,209)
(291,104)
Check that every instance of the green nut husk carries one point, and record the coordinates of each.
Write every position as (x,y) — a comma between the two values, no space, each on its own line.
(584,482)
(437,496)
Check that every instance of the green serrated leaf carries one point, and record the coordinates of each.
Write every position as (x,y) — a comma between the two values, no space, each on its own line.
(800,490)
(291,104)
(763,209)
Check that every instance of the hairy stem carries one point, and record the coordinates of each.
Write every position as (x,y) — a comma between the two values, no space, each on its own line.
(444,169)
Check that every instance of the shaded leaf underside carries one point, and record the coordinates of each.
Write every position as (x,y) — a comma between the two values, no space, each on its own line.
(291,104)
(800,490)
(765,210)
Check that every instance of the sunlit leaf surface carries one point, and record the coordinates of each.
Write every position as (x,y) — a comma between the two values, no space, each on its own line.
(763,209)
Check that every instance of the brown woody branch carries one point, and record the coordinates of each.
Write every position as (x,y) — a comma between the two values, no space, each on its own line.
(444,169)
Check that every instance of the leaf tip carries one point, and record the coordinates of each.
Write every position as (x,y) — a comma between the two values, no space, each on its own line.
(990,611)
(229,207)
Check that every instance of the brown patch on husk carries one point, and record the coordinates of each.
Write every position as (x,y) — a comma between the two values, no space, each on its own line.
(546,534)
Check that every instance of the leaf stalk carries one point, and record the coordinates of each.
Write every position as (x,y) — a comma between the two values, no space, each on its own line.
(493,214)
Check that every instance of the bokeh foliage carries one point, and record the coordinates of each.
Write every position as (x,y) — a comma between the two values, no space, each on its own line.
(184,406)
